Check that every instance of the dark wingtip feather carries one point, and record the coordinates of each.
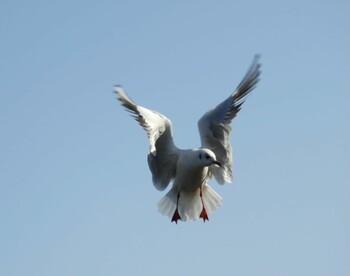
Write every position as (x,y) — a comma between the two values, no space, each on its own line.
(249,81)
(131,107)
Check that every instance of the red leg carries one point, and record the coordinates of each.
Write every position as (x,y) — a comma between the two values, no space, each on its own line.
(203,214)
(176,215)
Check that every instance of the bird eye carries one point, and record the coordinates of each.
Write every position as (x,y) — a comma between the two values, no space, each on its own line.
(207,156)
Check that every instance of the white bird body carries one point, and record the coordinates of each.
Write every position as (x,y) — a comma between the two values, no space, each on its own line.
(191,197)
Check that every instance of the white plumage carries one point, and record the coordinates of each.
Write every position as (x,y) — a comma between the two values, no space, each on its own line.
(191,197)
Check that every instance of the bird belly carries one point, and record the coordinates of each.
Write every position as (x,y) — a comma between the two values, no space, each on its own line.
(191,179)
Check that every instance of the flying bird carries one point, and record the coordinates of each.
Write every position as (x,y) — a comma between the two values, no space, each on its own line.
(191,197)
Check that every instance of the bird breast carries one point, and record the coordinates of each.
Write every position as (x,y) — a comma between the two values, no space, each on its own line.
(189,178)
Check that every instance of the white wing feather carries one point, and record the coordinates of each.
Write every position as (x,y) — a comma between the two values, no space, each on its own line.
(214,126)
(163,153)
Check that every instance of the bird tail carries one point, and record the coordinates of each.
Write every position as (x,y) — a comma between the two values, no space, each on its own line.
(189,203)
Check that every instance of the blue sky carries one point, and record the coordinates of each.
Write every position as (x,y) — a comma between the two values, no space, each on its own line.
(76,196)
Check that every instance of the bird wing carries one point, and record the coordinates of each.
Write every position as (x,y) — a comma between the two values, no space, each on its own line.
(163,153)
(214,126)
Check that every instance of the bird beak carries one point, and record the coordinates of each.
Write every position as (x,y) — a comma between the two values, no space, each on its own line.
(217,163)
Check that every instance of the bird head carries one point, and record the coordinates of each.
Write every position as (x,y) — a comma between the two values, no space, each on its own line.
(207,158)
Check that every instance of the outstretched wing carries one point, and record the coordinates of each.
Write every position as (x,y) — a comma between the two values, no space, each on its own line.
(163,153)
(214,126)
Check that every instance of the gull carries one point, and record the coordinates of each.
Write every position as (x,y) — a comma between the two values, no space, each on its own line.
(189,170)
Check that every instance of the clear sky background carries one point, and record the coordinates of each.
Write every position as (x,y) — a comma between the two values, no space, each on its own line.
(76,196)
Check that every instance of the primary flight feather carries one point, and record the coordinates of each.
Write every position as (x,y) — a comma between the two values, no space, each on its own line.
(191,197)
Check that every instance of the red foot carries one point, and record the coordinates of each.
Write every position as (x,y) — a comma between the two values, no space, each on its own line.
(176,216)
(204,215)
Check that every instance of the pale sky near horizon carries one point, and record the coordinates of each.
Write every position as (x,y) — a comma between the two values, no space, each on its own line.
(76,195)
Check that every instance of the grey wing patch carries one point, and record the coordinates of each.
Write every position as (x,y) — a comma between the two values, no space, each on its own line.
(216,137)
(163,170)
(163,153)
(163,163)
(214,126)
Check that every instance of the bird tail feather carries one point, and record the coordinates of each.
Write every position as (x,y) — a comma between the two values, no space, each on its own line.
(189,203)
